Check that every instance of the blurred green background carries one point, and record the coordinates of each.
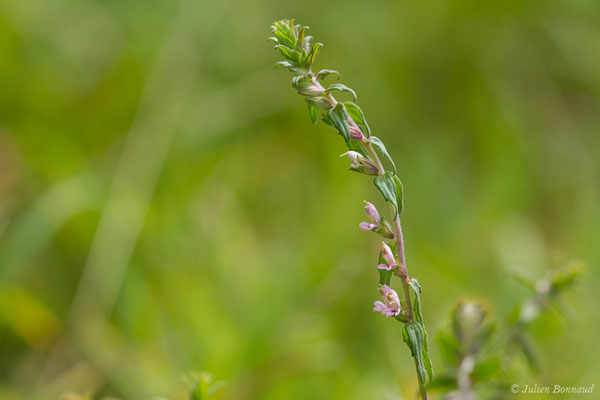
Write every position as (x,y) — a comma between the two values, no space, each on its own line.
(167,206)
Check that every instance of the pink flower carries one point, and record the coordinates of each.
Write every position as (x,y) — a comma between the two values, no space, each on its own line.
(373,216)
(377,224)
(390,306)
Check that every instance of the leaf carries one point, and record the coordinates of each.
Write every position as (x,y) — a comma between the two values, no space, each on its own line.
(310,56)
(342,88)
(413,337)
(288,53)
(300,41)
(381,147)
(314,112)
(414,284)
(387,187)
(357,115)
(291,67)
(339,120)
(399,194)
(324,73)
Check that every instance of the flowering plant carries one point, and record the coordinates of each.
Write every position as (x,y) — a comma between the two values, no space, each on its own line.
(364,152)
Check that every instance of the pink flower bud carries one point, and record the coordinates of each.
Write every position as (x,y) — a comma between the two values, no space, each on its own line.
(355,133)
(312,90)
(387,254)
(361,163)
(353,156)
(372,213)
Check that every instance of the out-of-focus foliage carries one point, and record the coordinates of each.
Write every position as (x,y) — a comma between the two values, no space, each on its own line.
(167,207)
(482,359)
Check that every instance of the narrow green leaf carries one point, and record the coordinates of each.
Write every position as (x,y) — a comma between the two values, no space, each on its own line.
(413,337)
(358,116)
(311,55)
(288,53)
(387,187)
(300,41)
(399,194)
(292,67)
(414,284)
(342,88)
(381,147)
(324,73)
(339,120)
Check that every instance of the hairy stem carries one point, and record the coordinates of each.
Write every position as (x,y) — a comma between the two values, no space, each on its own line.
(397,237)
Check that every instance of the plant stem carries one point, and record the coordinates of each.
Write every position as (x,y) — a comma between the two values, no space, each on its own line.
(397,237)
(397,228)
(401,260)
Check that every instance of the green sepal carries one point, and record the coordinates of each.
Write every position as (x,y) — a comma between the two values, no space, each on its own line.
(342,88)
(358,116)
(381,147)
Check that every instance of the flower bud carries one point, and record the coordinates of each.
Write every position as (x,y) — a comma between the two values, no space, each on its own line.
(355,133)
(372,213)
(353,156)
(387,255)
(312,90)
(361,163)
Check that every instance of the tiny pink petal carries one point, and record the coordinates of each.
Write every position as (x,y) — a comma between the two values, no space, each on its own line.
(365,226)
